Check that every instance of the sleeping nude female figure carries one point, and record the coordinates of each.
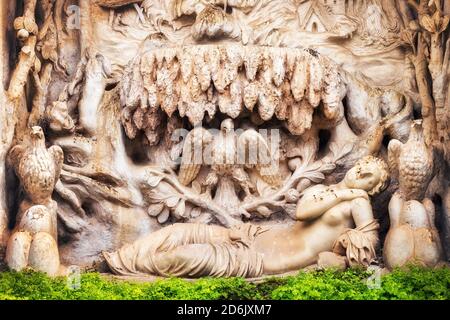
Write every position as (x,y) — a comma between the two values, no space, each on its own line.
(335,218)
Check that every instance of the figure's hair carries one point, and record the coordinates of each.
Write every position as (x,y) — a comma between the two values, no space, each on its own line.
(383,167)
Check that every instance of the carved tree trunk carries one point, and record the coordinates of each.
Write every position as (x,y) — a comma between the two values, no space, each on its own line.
(429,22)
(428,105)
(13,111)
(6,129)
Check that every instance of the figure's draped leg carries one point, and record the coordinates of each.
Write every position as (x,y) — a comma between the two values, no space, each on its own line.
(138,257)
(190,250)
(216,260)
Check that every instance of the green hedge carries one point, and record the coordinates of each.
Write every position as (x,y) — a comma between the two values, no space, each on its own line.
(415,283)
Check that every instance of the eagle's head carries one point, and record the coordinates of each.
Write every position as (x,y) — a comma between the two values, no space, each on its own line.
(37,134)
(417,124)
(227,126)
(416,130)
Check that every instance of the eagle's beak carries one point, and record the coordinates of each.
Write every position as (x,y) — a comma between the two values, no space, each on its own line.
(36,132)
(417,122)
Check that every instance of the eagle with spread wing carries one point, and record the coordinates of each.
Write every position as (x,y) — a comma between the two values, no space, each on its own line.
(228,155)
(412,163)
(37,167)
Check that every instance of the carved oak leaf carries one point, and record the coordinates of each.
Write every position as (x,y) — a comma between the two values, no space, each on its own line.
(180,210)
(153,180)
(172,201)
(48,50)
(164,216)
(263,188)
(155,209)
(408,37)
(166,201)
(434,24)
(314,176)
(196,187)
(307,155)
(340,150)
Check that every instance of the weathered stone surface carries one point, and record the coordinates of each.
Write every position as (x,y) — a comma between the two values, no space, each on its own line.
(329,260)
(444,223)
(224,122)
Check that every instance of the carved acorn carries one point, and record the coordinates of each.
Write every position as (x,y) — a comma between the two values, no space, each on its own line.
(25,26)
(292,196)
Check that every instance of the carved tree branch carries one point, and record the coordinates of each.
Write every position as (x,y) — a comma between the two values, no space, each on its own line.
(427,72)
(27,55)
(6,137)
(199,200)
(428,105)
(20,74)
(99,190)
(41,85)
(275,200)
(441,95)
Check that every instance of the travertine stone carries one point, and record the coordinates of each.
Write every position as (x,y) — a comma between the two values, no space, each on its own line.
(33,242)
(326,215)
(413,237)
(131,120)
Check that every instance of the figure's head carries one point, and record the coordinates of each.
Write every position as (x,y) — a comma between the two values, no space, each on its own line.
(370,174)
(37,133)
(227,125)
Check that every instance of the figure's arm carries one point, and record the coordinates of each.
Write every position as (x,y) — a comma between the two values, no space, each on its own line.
(362,214)
(319,199)
(359,244)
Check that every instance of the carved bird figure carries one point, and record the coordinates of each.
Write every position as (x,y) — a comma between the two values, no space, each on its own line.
(412,163)
(37,167)
(228,155)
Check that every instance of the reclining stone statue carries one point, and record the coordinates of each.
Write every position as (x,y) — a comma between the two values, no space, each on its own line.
(334,218)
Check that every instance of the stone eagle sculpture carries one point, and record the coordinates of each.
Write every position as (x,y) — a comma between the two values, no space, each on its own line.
(34,242)
(412,163)
(412,237)
(228,155)
(37,167)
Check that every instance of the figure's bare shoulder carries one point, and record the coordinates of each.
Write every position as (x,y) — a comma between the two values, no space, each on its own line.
(315,189)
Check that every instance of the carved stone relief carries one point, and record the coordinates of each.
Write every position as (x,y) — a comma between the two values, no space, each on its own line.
(224,138)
